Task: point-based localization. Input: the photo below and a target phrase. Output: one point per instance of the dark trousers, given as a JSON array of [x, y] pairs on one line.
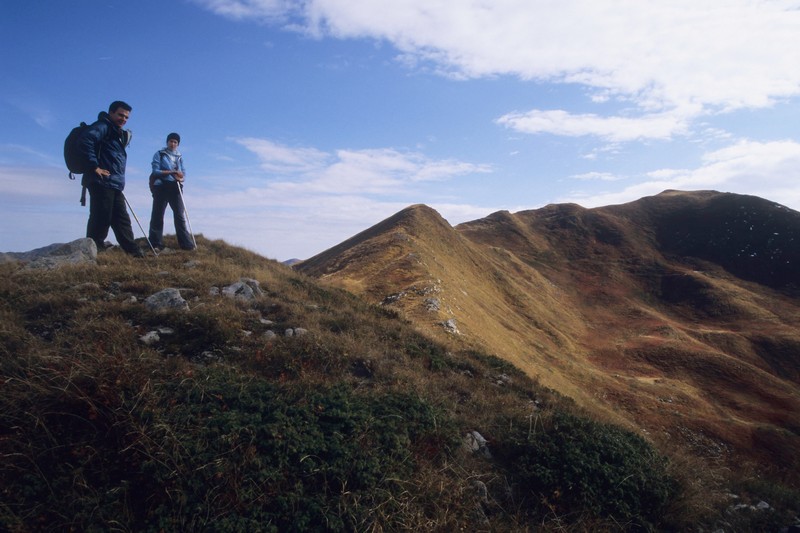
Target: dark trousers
[[107, 210], [163, 195]]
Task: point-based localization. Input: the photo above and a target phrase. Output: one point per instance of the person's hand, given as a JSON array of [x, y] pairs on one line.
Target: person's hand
[[178, 175], [102, 172]]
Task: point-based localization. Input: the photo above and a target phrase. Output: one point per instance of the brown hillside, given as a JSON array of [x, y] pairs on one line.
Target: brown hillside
[[676, 314]]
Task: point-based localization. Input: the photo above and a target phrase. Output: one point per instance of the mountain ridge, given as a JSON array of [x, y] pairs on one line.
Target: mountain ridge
[[652, 312]]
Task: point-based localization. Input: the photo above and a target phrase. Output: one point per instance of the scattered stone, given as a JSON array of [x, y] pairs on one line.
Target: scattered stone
[[245, 289], [269, 334], [299, 332], [502, 380], [450, 326], [166, 299], [432, 304], [475, 443], [392, 298], [213, 291], [479, 495], [150, 338], [289, 332]]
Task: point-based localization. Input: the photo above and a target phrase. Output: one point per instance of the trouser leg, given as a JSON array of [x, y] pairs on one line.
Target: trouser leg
[[157, 216], [121, 224], [101, 205], [179, 218]]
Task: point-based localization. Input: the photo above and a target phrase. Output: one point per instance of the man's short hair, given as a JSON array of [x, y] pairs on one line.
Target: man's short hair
[[116, 104]]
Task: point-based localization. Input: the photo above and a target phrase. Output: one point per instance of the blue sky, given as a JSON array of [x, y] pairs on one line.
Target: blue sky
[[305, 122]]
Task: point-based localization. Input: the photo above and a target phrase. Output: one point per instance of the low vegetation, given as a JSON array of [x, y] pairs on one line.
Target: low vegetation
[[226, 423]]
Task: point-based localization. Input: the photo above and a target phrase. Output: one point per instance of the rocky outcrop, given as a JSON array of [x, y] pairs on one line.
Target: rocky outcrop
[[77, 252]]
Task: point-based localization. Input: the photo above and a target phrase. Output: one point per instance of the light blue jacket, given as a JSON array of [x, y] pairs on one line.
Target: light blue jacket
[[167, 160]]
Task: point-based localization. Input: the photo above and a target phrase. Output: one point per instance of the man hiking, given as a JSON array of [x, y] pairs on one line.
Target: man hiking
[[103, 144]]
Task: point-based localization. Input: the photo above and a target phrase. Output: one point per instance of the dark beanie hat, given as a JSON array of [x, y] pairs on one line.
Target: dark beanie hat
[[174, 136]]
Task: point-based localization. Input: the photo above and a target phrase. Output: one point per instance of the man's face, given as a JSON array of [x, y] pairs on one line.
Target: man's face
[[172, 144], [120, 116]]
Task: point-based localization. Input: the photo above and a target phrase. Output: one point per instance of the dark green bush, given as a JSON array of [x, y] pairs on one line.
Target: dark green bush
[[242, 455], [579, 466]]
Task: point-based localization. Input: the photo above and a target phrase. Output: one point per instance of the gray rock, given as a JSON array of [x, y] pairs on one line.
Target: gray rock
[[432, 304], [77, 252], [150, 338], [166, 299], [245, 289], [450, 326], [475, 443]]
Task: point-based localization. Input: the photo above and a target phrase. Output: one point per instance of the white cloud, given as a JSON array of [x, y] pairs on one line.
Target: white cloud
[[244, 9], [613, 129], [597, 176], [364, 172], [671, 62], [659, 55], [765, 169], [275, 157]]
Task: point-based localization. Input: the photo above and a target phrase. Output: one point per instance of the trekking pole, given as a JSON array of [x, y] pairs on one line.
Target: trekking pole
[[140, 225], [186, 212]]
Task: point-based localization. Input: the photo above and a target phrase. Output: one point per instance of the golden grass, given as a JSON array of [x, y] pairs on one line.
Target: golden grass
[[585, 302]]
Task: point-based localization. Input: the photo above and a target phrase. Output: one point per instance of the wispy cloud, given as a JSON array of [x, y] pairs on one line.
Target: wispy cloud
[[362, 172], [613, 128], [250, 9], [659, 56], [597, 176], [37, 111], [765, 169], [279, 158]]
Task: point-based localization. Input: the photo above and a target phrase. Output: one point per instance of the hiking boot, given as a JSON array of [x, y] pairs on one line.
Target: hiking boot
[[138, 253]]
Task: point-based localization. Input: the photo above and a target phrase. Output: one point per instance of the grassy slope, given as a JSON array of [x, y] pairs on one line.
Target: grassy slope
[[620, 308], [357, 425]]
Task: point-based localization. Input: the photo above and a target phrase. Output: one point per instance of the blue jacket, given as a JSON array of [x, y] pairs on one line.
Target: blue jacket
[[166, 160], [103, 143]]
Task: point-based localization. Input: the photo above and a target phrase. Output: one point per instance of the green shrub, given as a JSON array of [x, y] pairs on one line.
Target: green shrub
[[579, 466], [242, 454]]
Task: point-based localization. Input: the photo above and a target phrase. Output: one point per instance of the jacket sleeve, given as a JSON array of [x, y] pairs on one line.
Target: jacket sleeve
[[89, 142], [156, 164], [181, 167]]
